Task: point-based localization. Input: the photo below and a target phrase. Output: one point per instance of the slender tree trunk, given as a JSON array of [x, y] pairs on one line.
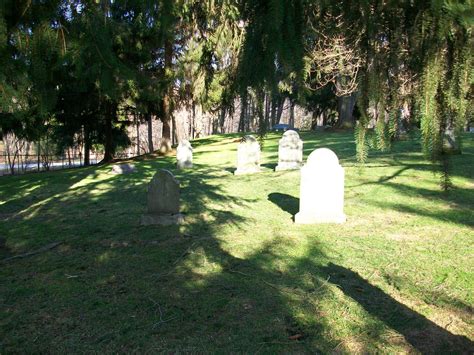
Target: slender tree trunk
[[267, 109], [167, 109], [243, 112], [273, 113], [150, 132], [292, 114], [248, 114], [9, 153], [174, 130], [111, 111], [38, 151], [137, 125], [281, 104], [260, 103], [193, 118], [222, 113], [87, 145]]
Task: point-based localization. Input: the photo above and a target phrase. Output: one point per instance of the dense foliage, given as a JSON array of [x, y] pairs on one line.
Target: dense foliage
[[81, 68]]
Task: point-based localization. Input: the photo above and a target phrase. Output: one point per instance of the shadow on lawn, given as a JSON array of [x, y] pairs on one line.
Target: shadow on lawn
[[424, 335], [286, 202], [459, 201], [283, 310], [178, 288]]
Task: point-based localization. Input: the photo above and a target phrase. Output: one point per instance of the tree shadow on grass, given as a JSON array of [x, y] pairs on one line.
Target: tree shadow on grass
[[286, 202], [424, 335], [439, 296], [459, 200], [129, 288]]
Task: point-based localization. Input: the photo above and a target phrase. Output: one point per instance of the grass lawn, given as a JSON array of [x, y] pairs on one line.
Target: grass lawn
[[239, 275]]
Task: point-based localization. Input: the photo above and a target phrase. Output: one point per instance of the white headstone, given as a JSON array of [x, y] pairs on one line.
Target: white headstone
[[248, 156], [124, 168], [290, 151], [184, 155], [162, 200], [322, 189]]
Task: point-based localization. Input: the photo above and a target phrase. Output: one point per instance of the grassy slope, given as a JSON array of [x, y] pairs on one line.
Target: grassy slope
[[239, 275]]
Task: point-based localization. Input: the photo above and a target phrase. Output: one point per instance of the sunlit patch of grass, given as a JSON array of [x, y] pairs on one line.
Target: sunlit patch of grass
[[239, 275]]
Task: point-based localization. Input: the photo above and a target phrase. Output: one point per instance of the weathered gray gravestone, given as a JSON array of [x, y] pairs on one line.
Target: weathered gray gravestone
[[163, 200], [184, 155], [123, 168], [322, 189], [290, 151], [248, 156]]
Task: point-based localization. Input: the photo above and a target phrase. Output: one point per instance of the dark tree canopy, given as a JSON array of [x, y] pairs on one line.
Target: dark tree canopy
[[83, 66]]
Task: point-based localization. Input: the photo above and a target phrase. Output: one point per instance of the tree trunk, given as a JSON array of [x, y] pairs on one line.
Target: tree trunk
[[110, 113], [280, 105], [150, 132], [273, 113], [87, 146], [345, 108], [292, 114], [137, 124], [267, 109], [260, 103], [166, 108], [174, 136], [193, 118], [38, 151], [243, 112]]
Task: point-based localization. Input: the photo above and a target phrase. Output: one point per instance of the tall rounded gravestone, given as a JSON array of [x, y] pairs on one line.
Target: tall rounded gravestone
[[248, 156], [184, 155], [290, 151], [322, 189]]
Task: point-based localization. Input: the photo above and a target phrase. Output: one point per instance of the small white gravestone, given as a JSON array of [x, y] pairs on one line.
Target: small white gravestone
[[162, 200], [248, 156], [322, 189], [184, 155], [290, 151], [123, 168]]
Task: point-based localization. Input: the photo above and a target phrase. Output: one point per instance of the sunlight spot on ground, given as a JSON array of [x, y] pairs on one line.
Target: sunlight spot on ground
[[105, 257], [90, 179]]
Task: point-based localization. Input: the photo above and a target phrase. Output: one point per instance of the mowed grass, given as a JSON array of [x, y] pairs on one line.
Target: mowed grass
[[239, 275]]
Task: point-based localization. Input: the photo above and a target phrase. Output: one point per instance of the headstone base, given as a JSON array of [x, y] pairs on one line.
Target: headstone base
[[161, 219], [281, 167], [186, 165], [247, 171], [306, 218]]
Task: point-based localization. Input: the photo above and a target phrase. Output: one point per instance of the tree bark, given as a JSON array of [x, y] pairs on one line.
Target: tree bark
[[38, 151], [150, 132], [243, 112], [87, 146], [137, 124], [280, 105], [273, 113], [345, 108], [292, 114], [193, 118], [110, 113], [267, 109], [166, 108]]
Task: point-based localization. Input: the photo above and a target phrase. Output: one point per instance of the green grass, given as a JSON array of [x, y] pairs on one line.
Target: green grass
[[239, 275]]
